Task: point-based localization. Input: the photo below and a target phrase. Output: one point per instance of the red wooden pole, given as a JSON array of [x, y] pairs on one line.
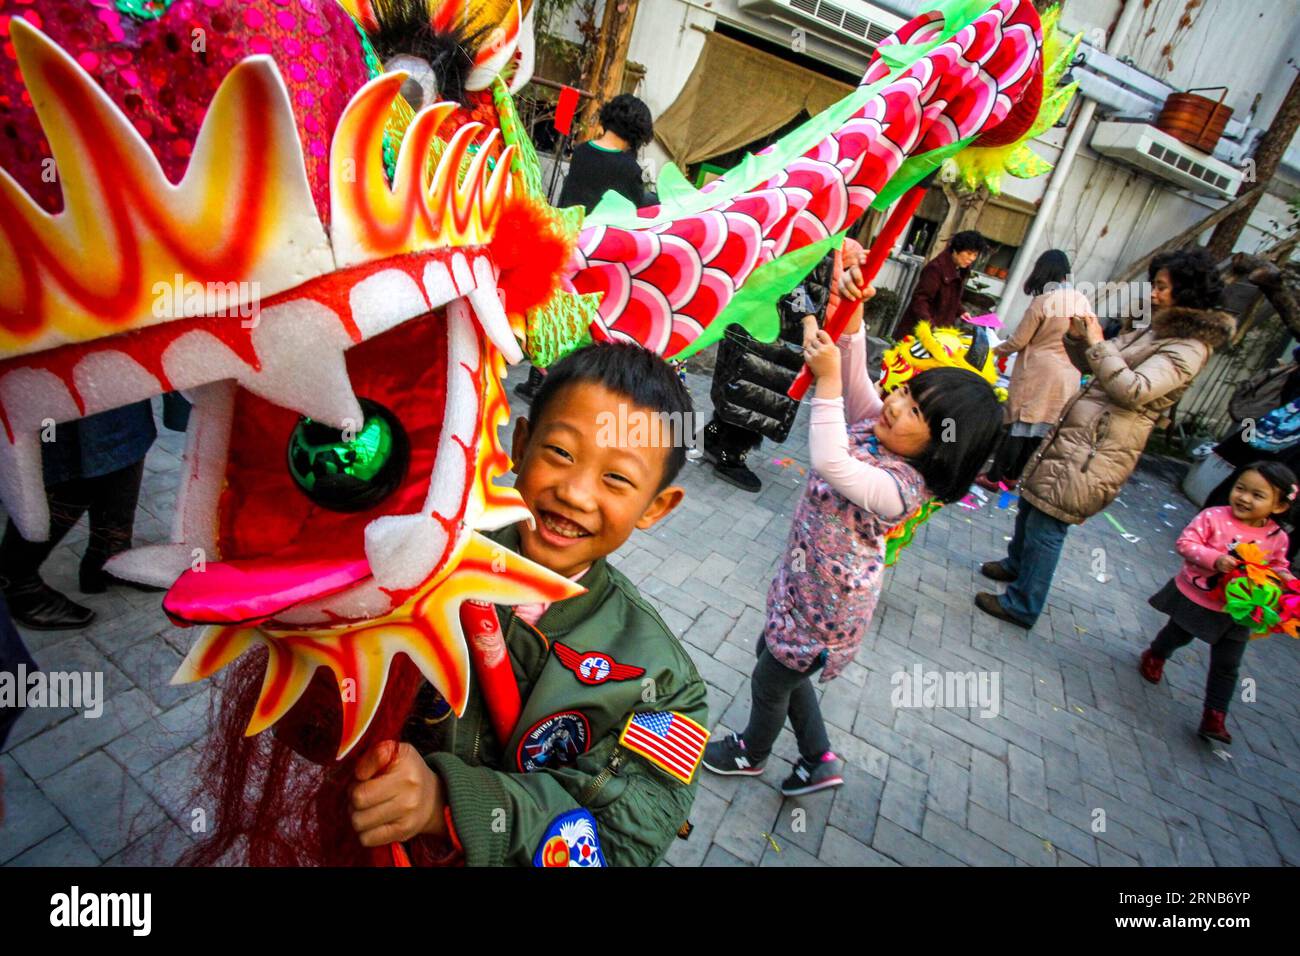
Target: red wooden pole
[[880, 249], [487, 650]]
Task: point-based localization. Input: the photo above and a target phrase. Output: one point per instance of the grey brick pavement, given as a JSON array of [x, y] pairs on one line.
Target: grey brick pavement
[[1085, 763]]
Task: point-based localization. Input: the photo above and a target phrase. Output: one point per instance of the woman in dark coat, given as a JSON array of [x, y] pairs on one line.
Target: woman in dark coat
[[751, 378], [937, 296], [94, 465]]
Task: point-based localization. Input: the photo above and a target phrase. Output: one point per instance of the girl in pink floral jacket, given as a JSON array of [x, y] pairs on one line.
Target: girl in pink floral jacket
[[873, 463]]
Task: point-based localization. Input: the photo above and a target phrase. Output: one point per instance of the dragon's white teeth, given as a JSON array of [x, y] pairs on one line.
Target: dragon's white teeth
[[464, 360], [22, 485], [125, 374], [156, 564], [32, 400], [439, 286], [491, 314], [203, 477], [404, 549], [385, 300], [34, 397], [462, 273], [492, 318], [302, 349]]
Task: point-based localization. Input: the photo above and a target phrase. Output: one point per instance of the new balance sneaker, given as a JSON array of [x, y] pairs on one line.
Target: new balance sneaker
[[811, 777], [728, 756]]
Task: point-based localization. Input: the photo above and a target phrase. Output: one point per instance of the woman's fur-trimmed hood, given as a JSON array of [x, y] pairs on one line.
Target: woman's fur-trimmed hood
[[1210, 326]]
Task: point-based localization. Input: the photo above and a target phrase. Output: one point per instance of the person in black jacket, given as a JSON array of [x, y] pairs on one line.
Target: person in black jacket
[[609, 161], [599, 165], [750, 380]]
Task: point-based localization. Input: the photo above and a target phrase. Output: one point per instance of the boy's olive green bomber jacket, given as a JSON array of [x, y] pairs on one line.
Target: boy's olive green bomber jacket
[[500, 813]]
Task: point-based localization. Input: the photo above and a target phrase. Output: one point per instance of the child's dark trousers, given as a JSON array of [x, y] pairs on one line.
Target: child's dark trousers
[[1225, 662], [775, 692]]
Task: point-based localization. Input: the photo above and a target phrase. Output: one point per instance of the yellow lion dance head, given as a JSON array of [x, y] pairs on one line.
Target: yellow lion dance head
[[939, 348]]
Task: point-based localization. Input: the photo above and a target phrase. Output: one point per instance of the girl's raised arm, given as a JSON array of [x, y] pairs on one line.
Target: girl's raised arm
[[861, 400], [867, 486]]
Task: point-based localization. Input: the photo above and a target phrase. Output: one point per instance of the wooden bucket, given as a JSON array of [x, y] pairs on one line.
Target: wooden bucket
[[1196, 120]]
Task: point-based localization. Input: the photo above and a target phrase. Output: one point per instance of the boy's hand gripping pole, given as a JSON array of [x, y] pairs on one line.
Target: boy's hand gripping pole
[[487, 651]]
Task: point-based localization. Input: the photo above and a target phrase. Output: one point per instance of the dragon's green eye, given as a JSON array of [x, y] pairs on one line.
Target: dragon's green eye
[[354, 469]]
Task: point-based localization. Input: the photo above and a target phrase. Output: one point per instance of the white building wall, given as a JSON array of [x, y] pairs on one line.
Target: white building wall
[[1239, 43], [667, 43], [1107, 214]]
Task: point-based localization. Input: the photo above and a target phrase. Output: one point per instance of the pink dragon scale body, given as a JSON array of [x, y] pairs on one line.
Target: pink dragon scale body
[[663, 283]]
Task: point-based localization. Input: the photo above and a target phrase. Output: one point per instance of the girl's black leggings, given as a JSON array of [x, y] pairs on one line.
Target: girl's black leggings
[[777, 692], [1225, 662]]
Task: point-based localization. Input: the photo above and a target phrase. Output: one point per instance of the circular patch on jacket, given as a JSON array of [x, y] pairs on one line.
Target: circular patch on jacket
[[570, 840], [594, 668], [554, 741]]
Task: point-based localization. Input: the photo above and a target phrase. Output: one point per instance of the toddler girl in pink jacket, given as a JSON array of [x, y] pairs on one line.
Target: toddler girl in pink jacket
[[1261, 492]]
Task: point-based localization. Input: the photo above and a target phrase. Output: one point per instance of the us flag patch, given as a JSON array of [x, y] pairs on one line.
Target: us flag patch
[[670, 741]]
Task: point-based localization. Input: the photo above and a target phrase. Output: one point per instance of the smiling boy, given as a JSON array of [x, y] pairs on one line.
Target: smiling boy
[[600, 768]]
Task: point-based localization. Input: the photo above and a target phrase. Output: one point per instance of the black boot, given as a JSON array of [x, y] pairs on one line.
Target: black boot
[[528, 390], [732, 469], [36, 605], [710, 447]]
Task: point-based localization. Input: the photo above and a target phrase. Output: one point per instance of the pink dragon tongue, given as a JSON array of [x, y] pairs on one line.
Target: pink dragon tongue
[[251, 590]]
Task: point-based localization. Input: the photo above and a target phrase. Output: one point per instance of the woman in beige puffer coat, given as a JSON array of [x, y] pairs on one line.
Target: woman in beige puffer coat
[[1086, 459]]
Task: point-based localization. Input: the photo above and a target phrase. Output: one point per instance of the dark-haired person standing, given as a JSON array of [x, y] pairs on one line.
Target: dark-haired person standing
[[1044, 378], [599, 165], [751, 378], [93, 466], [937, 296], [609, 161], [1086, 459]]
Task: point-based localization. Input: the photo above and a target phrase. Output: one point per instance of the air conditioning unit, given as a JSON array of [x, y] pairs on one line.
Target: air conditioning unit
[[854, 24], [1161, 155]]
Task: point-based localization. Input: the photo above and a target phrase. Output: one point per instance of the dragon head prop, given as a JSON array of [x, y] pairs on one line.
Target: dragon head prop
[[254, 232], [335, 263], [939, 348]]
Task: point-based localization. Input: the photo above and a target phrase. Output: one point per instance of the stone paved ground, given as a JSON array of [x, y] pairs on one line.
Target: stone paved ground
[[1085, 763]]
